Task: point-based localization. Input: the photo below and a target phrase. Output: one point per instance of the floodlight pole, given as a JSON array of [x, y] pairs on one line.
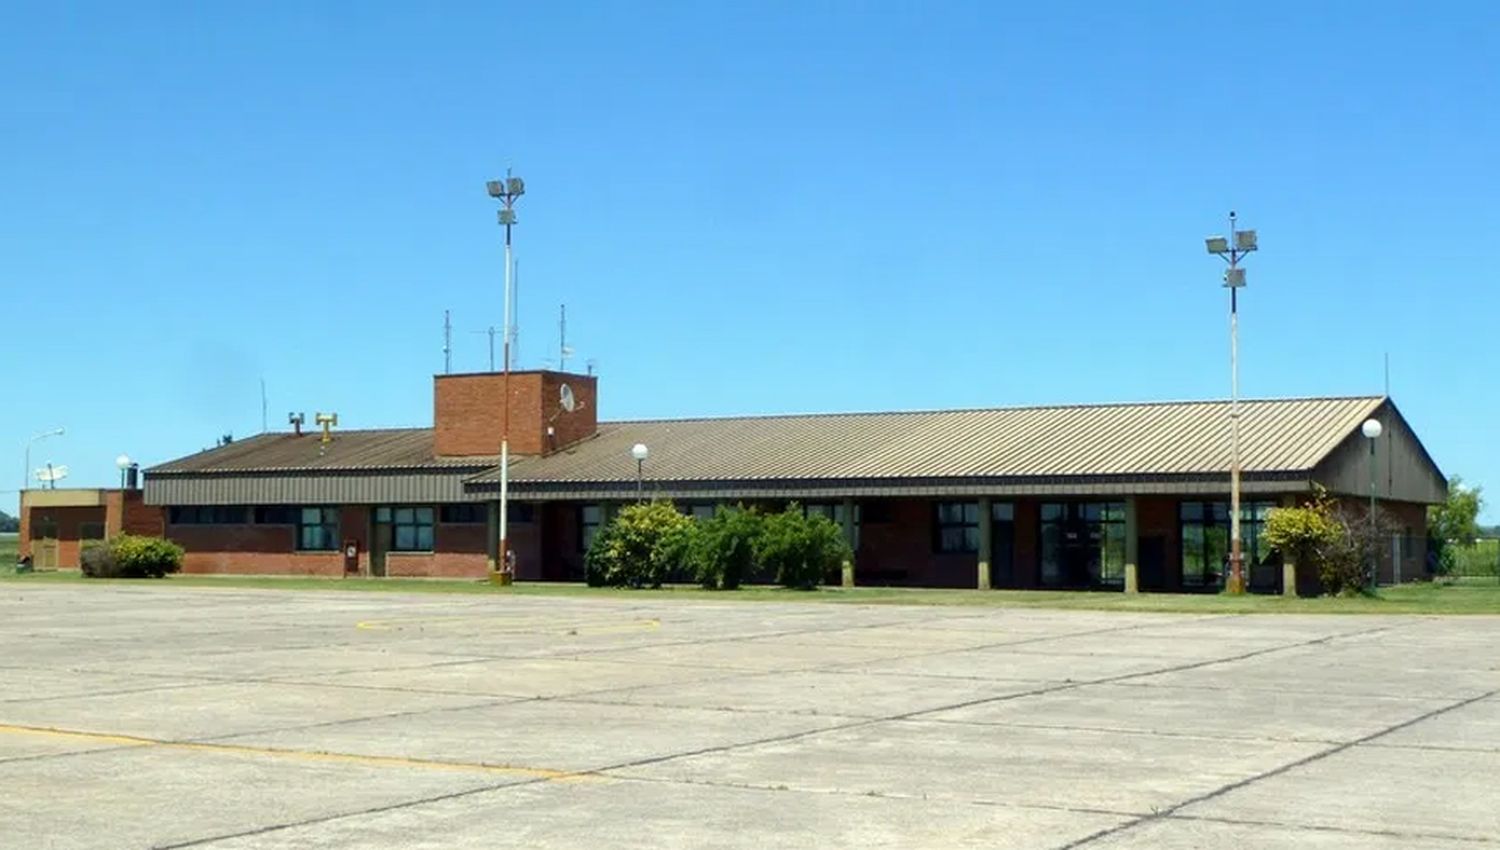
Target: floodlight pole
[[506, 191], [1232, 250], [26, 473]]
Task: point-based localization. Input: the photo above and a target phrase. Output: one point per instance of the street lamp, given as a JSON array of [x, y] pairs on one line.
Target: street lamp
[[506, 192], [1372, 430], [122, 463], [26, 473], [1231, 249], [639, 452]]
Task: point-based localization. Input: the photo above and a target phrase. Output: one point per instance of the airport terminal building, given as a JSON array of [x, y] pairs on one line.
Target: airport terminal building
[[1032, 497]]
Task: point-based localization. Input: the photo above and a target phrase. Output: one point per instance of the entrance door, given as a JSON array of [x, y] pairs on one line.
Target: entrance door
[[1152, 552], [380, 540], [1002, 544]]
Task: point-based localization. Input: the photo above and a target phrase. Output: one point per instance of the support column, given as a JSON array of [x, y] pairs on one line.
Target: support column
[[1288, 565], [492, 538], [849, 536], [986, 533], [1132, 546]]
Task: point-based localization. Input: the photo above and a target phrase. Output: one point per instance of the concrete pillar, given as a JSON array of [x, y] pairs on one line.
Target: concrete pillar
[[986, 529], [492, 538], [849, 536], [1132, 546], [1288, 566]]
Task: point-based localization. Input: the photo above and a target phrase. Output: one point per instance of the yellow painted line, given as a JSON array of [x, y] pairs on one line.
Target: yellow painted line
[[297, 755], [511, 627]]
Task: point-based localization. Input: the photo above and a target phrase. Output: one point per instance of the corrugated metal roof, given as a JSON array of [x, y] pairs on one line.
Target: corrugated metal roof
[[1171, 438], [385, 448]]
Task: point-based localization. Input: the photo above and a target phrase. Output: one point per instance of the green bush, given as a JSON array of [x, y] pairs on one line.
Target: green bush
[[723, 551], [131, 556], [640, 547], [1320, 536], [800, 549]]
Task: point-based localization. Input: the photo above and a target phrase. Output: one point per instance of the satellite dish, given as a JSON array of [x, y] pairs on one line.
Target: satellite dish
[[51, 474], [566, 398]]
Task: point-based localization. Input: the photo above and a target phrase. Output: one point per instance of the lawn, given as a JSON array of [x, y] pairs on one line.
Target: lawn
[[10, 544], [1415, 598], [1480, 560]]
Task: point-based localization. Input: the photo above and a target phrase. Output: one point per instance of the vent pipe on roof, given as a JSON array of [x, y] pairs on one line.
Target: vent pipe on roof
[[296, 420]]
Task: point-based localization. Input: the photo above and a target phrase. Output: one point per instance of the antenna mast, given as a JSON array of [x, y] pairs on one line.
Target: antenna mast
[[447, 344], [562, 340], [263, 425]]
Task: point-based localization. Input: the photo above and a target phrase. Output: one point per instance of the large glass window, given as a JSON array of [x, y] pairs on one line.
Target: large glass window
[[411, 529], [1205, 539], [466, 513], [590, 518], [318, 529], [835, 512], [1083, 544], [208, 515], [956, 527]]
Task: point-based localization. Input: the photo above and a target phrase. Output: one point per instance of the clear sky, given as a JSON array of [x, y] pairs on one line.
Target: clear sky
[[748, 208]]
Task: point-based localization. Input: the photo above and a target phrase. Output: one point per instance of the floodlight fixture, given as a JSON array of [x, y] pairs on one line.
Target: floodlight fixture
[[1217, 245], [515, 186], [1244, 240], [1234, 278], [507, 216], [496, 188]]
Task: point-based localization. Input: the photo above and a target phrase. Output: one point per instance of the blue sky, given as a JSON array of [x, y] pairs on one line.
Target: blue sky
[[746, 207]]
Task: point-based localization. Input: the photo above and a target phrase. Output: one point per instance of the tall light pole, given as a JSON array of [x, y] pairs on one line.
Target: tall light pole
[[506, 192], [1371, 429], [26, 473], [1232, 248], [640, 452]]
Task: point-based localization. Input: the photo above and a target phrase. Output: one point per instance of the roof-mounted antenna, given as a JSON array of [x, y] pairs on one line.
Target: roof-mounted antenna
[[563, 351], [447, 344], [326, 421], [295, 420]]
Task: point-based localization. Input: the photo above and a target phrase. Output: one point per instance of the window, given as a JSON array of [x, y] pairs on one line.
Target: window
[[208, 515], [590, 517], [957, 527], [1205, 530], [702, 511], [472, 513], [1083, 544], [318, 529], [835, 512], [276, 515], [521, 512], [91, 531], [411, 529]]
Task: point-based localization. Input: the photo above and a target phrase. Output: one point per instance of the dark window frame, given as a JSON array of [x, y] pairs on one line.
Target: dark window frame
[[589, 529], [943, 528], [208, 515], [275, 514], [416, 522], [1209, 514], [327, 529], [464, 513]]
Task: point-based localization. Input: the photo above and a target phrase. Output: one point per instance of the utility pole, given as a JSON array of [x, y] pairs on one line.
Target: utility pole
[[1231, 249], [562, 340], [447, 344]]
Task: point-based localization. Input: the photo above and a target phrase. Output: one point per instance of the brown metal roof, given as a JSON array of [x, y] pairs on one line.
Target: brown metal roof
[[1160, 439], [387, 448]]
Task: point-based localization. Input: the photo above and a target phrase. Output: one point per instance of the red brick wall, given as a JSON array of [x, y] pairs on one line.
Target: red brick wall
[[900, 552], [468, 412], [137, 517], [69, 522], [250, 550]]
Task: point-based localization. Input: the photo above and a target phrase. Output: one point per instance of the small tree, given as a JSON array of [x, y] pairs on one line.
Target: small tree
[[724, 547], [640, 547], [800, 549], [1455, 522]]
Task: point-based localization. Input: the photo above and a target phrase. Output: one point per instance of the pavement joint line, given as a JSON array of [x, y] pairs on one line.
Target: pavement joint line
[[128, 742], [875, 794], [92, 694], [1172, 810], [1341, 830], [484, 702], [1123, 730]]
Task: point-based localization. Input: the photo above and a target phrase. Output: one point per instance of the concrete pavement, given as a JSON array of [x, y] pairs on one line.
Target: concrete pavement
[[148, 716]]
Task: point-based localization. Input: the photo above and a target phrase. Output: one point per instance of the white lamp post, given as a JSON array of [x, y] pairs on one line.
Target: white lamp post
[[1231, 249], [26, 473], [1372, 430], [639, 452], [122, 463]]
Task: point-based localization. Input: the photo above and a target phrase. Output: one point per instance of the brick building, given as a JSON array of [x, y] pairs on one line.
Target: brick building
[[1091, 496], [55, 524]]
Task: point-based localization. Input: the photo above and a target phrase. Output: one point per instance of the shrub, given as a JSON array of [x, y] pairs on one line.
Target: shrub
[[800, 549], [1325, 537], [723, 552], [639, 547], [131, 556], [97, 560]]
